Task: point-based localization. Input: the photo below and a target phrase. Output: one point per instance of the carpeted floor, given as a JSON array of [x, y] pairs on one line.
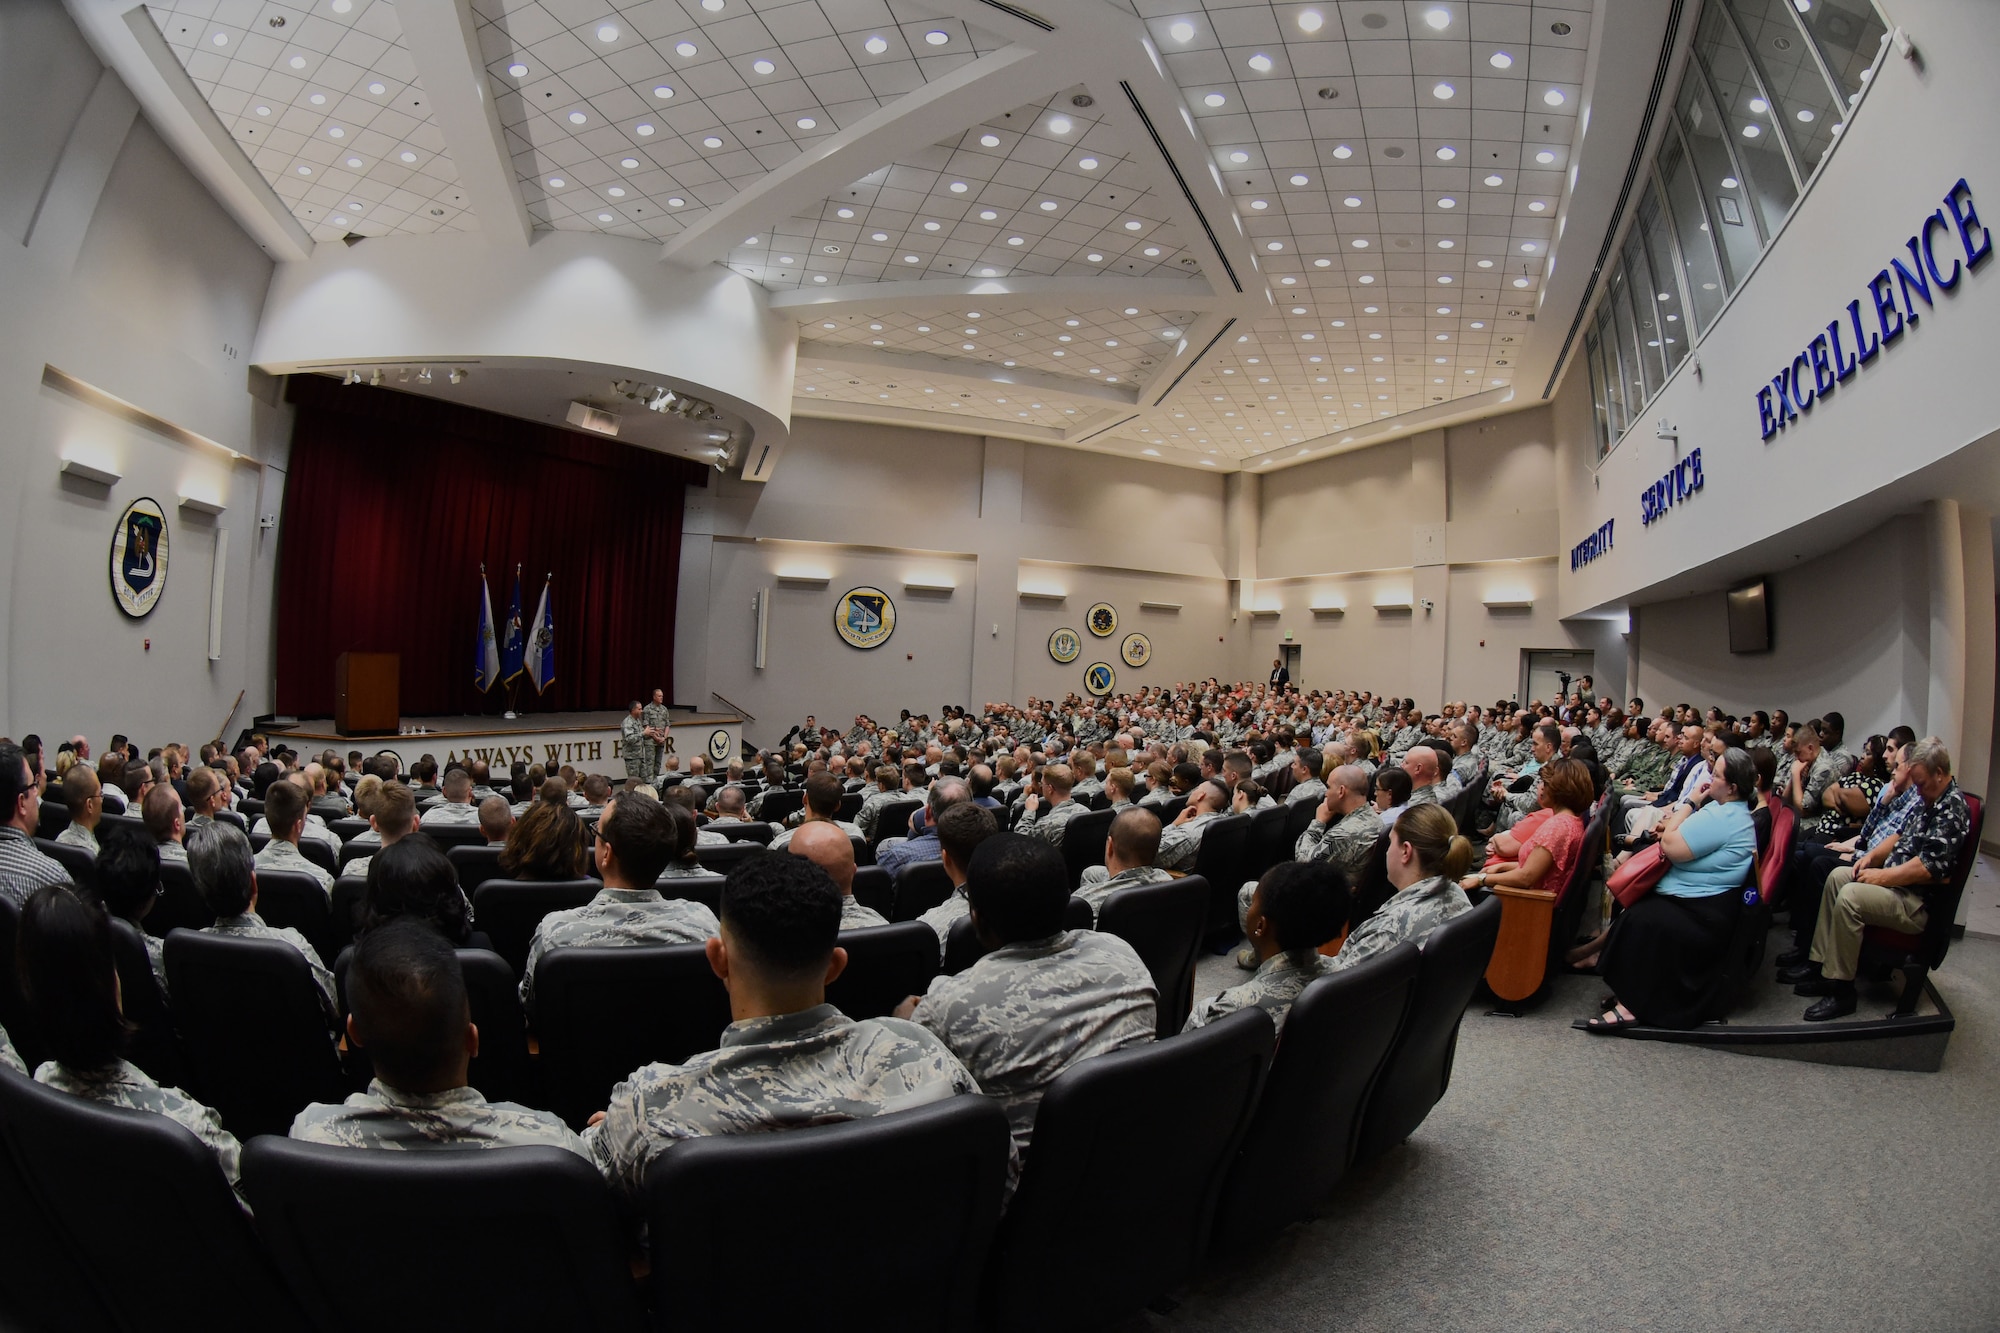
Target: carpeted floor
[[1577, 1182]]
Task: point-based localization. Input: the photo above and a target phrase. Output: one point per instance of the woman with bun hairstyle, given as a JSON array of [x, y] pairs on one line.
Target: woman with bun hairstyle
[[1427, 858]]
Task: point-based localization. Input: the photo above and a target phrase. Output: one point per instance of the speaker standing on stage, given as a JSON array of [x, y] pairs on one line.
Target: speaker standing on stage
[[634, 744], [659, 730]]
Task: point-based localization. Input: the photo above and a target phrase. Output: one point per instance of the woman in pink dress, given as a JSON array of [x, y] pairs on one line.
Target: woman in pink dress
[[1547, 853]]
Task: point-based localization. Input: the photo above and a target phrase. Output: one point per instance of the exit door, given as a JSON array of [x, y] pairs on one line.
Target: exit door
[[1289, 654], [1542, 673]]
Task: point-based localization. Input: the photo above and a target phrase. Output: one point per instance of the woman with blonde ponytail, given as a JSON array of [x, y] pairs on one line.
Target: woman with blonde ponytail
[[1427, 858]]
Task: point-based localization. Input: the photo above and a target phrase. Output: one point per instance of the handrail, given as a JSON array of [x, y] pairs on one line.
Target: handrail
[[748, 716]]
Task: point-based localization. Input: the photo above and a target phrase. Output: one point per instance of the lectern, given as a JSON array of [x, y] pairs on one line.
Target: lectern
[[365, 701]]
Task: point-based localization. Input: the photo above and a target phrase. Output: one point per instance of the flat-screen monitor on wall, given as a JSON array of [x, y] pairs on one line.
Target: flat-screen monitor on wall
[[1749, 619]]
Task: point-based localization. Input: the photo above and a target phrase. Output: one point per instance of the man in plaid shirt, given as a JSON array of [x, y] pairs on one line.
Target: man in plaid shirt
[[1889, 886]]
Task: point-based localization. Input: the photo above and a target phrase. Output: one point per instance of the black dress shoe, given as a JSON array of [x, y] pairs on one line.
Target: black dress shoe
[[1793, 957], [1792, 976], [1838, 1004]]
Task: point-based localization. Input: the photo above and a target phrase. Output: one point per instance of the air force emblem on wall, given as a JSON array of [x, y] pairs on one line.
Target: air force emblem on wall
[[1100, 679], [139, 558], [718, 746], [865, 617]]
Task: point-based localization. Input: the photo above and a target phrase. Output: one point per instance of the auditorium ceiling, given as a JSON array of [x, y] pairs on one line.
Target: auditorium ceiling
[[1223, 234]]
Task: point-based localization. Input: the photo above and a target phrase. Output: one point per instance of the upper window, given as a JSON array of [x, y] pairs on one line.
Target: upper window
[[1766, 92]]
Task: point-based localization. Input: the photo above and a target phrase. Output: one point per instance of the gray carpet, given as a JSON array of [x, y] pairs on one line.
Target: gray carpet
[[1576, 1182]]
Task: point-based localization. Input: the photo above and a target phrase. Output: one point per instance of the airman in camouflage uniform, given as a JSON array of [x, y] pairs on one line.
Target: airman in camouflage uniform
[[123, 1083], [386, 1117], [777, 1071], [634, 746], [1180, 843], [1046, 821], [656, 718], [856, 916], [1273, 987], [616, 917], [1099, 883], [10, 1057], [1027, 1011], [1345, 842], [1410, 914]]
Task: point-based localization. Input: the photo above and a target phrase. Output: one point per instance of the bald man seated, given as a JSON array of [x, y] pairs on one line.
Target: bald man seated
[[823, 844], [1421, 763]]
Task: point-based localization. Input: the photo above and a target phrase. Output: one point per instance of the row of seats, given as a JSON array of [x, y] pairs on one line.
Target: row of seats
[[1224, 1136]]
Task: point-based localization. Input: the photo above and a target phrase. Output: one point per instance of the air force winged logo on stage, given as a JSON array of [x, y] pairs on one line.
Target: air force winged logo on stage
[[718, 746], [139, 558], [865, 617]]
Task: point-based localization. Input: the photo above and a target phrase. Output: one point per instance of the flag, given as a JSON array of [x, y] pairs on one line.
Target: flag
[[513, 640], [486, 660], [542, 643]]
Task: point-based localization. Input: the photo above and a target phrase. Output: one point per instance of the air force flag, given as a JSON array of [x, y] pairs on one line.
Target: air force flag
[[486, 660], [542, 642], [513, 638]]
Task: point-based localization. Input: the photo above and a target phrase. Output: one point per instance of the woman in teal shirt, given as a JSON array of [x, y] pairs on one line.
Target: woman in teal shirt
[[1663, 955]]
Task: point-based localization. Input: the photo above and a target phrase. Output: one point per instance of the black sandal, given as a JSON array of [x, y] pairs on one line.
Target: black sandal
[[1612, 1024]]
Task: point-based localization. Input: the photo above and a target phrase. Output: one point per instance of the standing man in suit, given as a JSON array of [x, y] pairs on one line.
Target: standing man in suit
[[1279, 676]]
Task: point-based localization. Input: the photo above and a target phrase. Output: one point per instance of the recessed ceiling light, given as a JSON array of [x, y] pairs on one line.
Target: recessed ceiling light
[[297, 62], [989, 141], [1017, 240], [1300, 178], [1322, 263], [1447, 202], [911, 259], [1446, 243], [1153, 252], [604, 217], [987, 215], [354, 162], [1444, 278], [1048, 205], [675, 201], [1352, 201], [1486, 263], [1094, 258], [1259, 204], [1365, 279], [711, 142], [1214, 99], [1446, 153], [662, 92], [1310, 21], [577, 117], [763, 67], [1239, 157], [1133, 224], [1545, 157], [1500, 60], [407, 156], [931, 226], [607, 32], [616, 192], [937, 36], [1751, 131], [1259, 62], [1059, 125], [1443, 91], [808, 123], [878, 236], [317, 99], [378, 88], [1493, 180], [263, 111], [342, 6], [876, 45], [1440, 19], [1182, 31], [1554, 97], [1478, 323], [685, 50], [629, 163], [712, 6], [305, 171], [1536, 206], [1359, 243], [518, 70], [1342, 151]]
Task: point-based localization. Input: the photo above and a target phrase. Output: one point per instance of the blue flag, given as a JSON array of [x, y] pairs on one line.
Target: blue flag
[[514, 637], [542, 641], [486, 658]]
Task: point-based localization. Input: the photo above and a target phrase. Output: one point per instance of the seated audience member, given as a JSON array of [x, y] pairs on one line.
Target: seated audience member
[[823, 797], [456, 810], [311, 826], [895, 853], [1307, 786], [207, 794], [1889, 887], [548, 842], [409, 1014], [285, 815], [728, 807], [1180, 841], [127, 881], [328, 802], [1848, 801], [888, 788], [788, 1059], [1119, 786], [686, 839], [1131, 845], [1812, 860], [1812, 776], [960, 829], [1662, 954], [636, 839], [392, 817], [1249, 796], [1043, 998], [821, 842], [596, 791], [1392, 793], [1159, 783], [1427, 857], [85, 798], [1346, 827], [225, 875], [1048, 808], [496, 820], [110, 775], [1421, 763], [70, 984], [1690, 775], [161, 812], [1544, 856], [1294, 909], [413, 879]]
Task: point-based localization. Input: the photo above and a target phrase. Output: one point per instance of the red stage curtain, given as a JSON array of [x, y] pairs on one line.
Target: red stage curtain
[[392, 503]]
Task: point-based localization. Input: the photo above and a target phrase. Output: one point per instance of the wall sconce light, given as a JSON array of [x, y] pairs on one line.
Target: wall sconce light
[[805, 578], [1041, 595], [945, 588], [1160, 606], [201, 506], [101, 476]]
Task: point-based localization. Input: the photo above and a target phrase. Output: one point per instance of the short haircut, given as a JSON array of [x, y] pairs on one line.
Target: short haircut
[[406, 993], [963, 827], [495, 817], [642, 836], [202, 784], [223, 867], [414, 878], [1930, 752], [1120, 780], [1396, 782], [395, 809], [1311, 758], [596, 788], [1018, 887], [159, 810], [69, 979], [944, 794], [457, 784], [1551, 733], [284, 807], [79, 787], [1135, 836], [783, 912], [127, 876], [1185, 776], [1306, 902], [823, 795], [1238, 763], [729, 801], [914, 773], [1740, 772]]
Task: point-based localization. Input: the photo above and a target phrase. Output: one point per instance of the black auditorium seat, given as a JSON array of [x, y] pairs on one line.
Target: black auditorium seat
[[200, 1265], [601, 1013], [703, 889], [721, 860], [516, 1238], [893, 820], [347, 829], [920, 886], [77, 861], [759, 833], [873, 888], [292, 898], [502, 1071], [1222, 861], [1267, 845], [476, 864], [508, 910], [1417, 1070], [1083, 842], [885, 964], [252, 1030], [1130, 1153], [153, 1044], [53, 819], [1301, 1140], [930, 1177], [1163, 922], [179, 903]]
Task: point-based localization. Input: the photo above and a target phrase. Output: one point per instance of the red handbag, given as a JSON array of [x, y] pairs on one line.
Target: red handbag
[[1638, 876]]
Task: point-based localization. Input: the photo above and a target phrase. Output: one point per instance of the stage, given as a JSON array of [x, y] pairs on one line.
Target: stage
[[588, 742]]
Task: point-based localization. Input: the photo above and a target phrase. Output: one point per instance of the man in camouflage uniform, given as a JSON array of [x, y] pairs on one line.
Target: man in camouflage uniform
[[10, 1057], [122, 1083], [1129, 849], [1044, 998], [635, 841], [1180, 841], [790, 1059], [822, 842], [409, 1012], [960, 830], [1048, 810], [634, 746], [1346, 828], [224, 875], [659, 730]]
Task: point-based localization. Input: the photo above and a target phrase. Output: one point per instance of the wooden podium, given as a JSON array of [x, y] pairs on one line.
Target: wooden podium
[[365, 701]]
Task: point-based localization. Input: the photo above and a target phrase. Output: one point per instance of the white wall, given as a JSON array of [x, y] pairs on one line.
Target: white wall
[[119, 269]]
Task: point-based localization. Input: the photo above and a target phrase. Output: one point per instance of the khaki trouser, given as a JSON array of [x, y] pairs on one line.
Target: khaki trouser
[[1846, 907]]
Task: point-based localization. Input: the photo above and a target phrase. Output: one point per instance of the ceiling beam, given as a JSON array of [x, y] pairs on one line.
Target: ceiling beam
[[1004, 295], [445, 49], [930, 367], [973, 92]]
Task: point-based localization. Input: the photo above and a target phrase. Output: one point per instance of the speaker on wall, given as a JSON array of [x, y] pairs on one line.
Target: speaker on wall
[[763, 606], [215, 594]]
